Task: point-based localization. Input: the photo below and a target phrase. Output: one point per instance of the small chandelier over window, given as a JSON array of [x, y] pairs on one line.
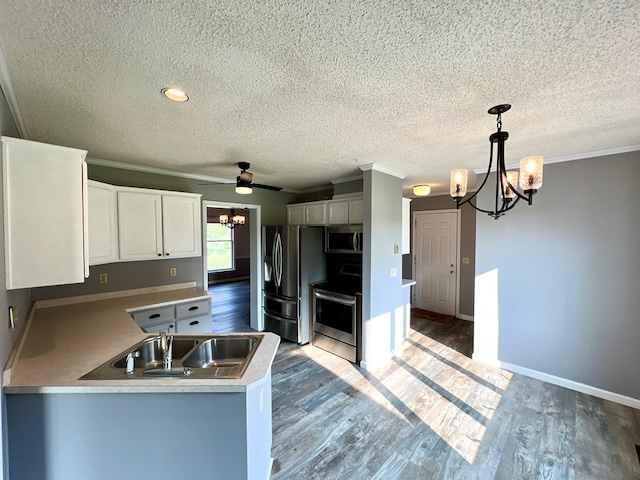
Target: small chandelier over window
[[529, 177], [235, 220]]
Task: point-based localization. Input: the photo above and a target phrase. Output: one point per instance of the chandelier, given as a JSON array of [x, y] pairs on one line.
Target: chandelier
[[235, 220], [507, 195]]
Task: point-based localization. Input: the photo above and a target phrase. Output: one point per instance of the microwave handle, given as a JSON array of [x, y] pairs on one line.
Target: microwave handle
[[355, 241]]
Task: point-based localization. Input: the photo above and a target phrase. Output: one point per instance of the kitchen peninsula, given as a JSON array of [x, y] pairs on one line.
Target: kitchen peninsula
[[61, 427]]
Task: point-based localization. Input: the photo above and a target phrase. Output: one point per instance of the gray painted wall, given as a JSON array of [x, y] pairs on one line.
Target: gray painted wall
[[467, 246], [19, 299], [557, 282], [382, 294], [141, 436]]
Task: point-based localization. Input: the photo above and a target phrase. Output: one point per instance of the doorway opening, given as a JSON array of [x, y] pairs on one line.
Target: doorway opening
[[233, 257]]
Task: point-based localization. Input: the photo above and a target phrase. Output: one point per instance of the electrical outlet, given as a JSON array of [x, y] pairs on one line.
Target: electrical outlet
[[104, 278], [173, 272], [465, 260], [396, 249]]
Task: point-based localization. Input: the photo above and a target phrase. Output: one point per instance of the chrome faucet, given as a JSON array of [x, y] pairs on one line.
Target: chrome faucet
[[167, 350]]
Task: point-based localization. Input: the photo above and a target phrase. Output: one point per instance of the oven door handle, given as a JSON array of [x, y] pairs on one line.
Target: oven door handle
[[330, 298]]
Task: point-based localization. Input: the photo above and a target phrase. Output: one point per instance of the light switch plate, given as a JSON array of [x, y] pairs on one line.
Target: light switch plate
[[394, 272]]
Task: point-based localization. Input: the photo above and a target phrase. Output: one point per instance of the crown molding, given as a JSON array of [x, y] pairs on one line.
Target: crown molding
[[157, 171], [346, 179], [382, 169], [10, 96], [576, 156]]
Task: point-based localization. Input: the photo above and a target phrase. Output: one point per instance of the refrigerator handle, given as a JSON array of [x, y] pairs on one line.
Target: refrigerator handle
[[277, 246]]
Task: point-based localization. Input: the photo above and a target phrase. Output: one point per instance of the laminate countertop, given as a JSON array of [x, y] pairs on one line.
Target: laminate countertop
[[65, 339]]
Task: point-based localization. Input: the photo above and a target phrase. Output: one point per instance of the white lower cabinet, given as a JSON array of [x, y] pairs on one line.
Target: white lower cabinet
[[163, 327], [192, 316], [200, 324]]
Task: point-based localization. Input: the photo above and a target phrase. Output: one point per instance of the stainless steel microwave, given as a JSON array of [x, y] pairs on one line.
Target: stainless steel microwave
[[344, 239]]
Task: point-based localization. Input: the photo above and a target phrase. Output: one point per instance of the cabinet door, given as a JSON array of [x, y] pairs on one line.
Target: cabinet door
[[181, 226], [103, 223], [355, 212], [338, 213], [139, 225], [295, 214], [316, 213], [45, 231]]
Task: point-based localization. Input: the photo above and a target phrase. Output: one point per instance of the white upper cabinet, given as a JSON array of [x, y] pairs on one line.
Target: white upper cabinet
[[155, 224], [103, 223], [329, 212], [338, 212], [181, 225], [356, 214], [139, 224], [295, 214], [315, 213], [45, 208]]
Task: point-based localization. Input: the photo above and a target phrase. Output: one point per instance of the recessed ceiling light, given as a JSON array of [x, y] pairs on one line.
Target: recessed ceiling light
[[175, 94]]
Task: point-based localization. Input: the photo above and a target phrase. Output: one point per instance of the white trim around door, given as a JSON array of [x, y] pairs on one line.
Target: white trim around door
[[255, 242]]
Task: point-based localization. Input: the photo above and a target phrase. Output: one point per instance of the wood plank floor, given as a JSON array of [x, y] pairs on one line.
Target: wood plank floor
[[431, 413], [230, 307]]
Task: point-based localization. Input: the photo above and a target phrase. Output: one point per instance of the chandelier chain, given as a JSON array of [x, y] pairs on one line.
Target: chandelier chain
[[499, 122]]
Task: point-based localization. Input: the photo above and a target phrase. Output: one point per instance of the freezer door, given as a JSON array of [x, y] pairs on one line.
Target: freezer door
[[281, 306], [287, 328]]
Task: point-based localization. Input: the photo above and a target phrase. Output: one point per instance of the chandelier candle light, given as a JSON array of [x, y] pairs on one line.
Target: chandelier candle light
[[529, 178], [235, 220]]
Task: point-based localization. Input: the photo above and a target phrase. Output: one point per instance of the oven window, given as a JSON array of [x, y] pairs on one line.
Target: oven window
[[335, 315]]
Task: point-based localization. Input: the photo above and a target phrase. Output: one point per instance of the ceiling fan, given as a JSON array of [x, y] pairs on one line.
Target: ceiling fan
[[244, 181]]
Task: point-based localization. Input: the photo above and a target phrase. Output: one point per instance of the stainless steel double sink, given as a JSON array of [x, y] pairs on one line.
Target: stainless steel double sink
[[193, 356]]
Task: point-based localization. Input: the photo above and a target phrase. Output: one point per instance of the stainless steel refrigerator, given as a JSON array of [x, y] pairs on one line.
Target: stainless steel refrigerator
[[293, 257]]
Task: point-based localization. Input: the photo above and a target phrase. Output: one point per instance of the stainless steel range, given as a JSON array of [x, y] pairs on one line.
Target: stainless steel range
[[336, 309]]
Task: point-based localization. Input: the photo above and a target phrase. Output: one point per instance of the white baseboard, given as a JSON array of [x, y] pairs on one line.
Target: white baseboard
[[462, 316], [562, 382]]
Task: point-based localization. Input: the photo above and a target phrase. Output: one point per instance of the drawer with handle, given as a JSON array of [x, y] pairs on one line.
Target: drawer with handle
[[154, 316], [193, 309], [201, 324]]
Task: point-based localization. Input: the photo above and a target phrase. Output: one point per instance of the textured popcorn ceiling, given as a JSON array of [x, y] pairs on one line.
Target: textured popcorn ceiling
[[308, 90]]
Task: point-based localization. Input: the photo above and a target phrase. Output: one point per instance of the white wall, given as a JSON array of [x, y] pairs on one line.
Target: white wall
[[558, 282]]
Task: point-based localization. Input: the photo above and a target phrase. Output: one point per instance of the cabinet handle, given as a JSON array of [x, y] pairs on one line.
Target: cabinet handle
[[195, 322], [167, 254], [159, 254], [155, 315], [191, 309]]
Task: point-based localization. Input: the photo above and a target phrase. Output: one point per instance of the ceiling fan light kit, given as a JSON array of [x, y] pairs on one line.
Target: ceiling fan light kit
[[529, 178], [244, 181]]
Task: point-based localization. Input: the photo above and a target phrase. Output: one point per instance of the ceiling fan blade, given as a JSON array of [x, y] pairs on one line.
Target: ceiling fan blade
[[266, 187]]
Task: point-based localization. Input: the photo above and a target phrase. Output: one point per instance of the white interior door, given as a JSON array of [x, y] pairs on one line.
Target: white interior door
[[436, 268]]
